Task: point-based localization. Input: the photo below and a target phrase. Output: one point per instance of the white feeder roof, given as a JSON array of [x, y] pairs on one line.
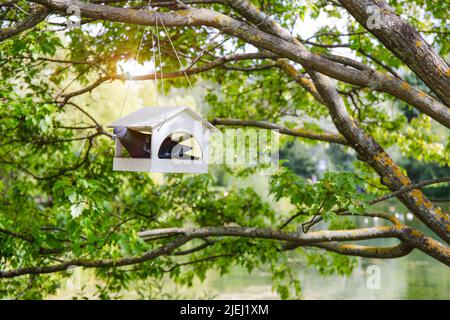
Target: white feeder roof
[[150, 117]]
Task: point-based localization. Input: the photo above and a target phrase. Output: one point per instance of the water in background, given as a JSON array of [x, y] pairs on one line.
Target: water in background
[[415, 276]]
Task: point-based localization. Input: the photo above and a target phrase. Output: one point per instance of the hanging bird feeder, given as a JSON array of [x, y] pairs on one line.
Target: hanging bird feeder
[[162, 139]]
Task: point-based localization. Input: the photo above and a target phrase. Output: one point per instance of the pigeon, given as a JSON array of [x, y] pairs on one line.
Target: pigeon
[[171, 149], [137, 144]]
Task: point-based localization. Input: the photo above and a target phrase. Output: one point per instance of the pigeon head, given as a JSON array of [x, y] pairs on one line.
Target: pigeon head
[[120, 132]]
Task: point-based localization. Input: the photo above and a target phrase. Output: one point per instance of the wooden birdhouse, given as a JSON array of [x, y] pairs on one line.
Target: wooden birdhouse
[[162, 139]]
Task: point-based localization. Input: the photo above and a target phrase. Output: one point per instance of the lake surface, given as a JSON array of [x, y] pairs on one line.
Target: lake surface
[[415, 276], [412, 277]]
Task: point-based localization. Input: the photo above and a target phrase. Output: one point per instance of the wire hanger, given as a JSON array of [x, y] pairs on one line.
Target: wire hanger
[[156, 50]]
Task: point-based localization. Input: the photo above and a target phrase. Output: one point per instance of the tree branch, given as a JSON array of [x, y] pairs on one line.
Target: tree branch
[[293, 239], [163, 250], [302, 133], [411, 187], [218, 63], [400, 250], [298, 237], [37, 15]]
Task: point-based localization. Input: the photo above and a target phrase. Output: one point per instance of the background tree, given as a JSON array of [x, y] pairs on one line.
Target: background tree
[[62, 206]]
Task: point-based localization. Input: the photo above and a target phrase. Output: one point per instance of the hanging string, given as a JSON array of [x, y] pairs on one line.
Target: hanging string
[[161, 73], [136, 59], [175, 51], [160, 60], [127, 90], [158, 43], [155, 73], [177, 56], [202, 53]]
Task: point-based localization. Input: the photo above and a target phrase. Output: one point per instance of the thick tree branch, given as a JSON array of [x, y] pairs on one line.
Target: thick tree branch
[[163, 250], [400, 250], [412, 237], [306, 83], [426, 244], [298, 237]]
